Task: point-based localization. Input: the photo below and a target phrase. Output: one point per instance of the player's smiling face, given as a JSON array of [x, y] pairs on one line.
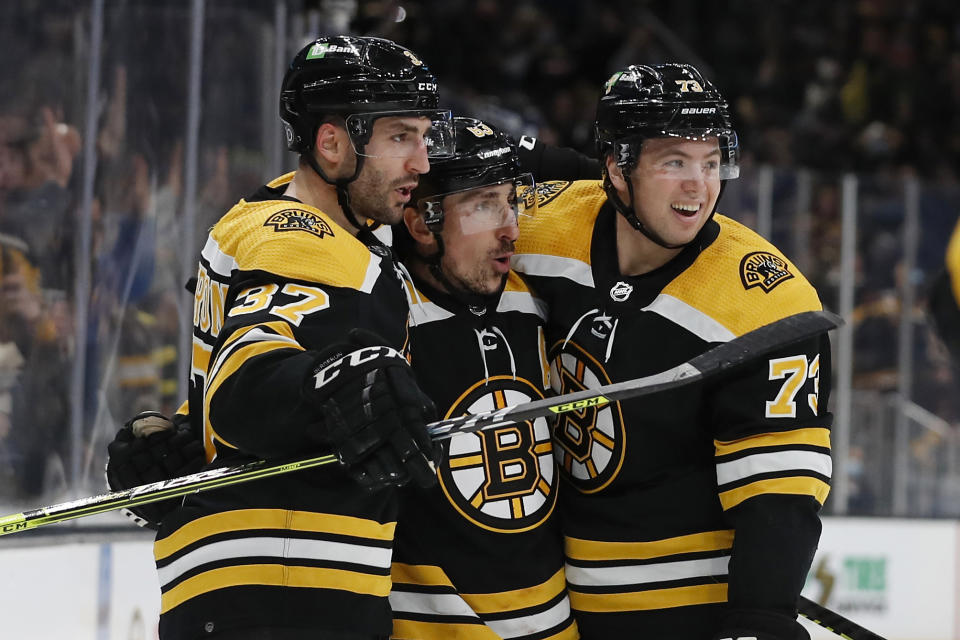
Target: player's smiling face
[[676, 184]]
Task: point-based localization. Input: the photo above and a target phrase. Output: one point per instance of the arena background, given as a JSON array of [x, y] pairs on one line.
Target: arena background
[[127, 127]]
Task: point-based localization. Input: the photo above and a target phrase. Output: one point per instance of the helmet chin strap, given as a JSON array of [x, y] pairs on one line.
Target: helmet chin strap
[[340, 184], [628, 212]]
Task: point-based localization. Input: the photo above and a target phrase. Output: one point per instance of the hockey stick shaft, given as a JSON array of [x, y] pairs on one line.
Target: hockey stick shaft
[[843, 627], [721, 358]]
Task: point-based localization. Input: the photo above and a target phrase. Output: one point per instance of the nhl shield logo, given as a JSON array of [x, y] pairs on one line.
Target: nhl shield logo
[[299, 220], [763, 269], [621, 291]]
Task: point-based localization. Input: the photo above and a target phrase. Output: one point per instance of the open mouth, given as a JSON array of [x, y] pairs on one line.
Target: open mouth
[[686, 209]]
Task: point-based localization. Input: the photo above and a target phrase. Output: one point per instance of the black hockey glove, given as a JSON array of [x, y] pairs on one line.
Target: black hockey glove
[[150, 448], [374, 415], [760, 625]]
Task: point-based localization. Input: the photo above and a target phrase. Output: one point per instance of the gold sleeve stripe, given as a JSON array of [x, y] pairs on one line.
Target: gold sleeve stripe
[[647, 600], [805, 486], [422, 574], [250, 519], [419, 630], [815, 436], [184, 409], [713, 283], [953, 262], [517, 599], [282, 180], [277, 576], [579, 549], [236, 360], [201, 357]]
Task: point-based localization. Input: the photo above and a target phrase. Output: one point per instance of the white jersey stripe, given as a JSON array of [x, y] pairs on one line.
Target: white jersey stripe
[[641, 574], [440, 604], [373, 273], [690, 318], [522, 301], [282, 548], [424, 311], [774, 462], [554, 266], [220, 263], [534, 623]]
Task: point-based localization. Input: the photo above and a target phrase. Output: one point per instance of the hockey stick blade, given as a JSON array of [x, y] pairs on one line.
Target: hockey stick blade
[[730, 354], [721, 358], [843, 627]]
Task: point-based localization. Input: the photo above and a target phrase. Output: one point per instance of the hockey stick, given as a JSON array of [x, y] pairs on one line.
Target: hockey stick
[[721, 358], [843, 627], [716, 360]]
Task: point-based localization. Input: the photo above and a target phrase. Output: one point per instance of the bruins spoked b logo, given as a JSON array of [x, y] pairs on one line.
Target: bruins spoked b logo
[[589, 442], [763, 269], [501, 479]]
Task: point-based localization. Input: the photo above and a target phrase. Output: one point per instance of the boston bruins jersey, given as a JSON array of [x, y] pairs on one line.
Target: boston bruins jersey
[[692, 511], [480, 556], [278, 281]]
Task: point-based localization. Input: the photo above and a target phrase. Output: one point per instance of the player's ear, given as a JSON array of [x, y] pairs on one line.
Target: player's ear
[[616, 174], [417, 227], [332, 143]]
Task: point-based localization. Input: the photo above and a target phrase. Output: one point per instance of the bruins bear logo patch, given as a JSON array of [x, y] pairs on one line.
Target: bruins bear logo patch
[[299, 220], [543, 192], [763, 269]]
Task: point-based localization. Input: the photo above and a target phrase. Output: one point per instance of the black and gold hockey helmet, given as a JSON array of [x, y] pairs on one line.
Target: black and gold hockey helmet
[[485, 156], [361, 79], [658, 101]]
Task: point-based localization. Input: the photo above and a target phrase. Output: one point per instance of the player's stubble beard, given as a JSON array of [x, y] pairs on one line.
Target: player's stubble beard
[[371, 195], [475, 280]]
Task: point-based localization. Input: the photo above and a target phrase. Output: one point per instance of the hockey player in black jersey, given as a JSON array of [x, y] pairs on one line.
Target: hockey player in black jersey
[[298, 346], [690, 515], [480, 555]]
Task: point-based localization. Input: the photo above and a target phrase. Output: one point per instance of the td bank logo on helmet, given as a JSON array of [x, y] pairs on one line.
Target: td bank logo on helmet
[[321, 49]]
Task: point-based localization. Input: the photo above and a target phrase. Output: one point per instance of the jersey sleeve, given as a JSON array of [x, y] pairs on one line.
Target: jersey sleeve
[[299, 285], [772, 453], [547, 162]]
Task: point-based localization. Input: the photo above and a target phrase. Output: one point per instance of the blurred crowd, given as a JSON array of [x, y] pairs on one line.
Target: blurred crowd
[[868, 86]]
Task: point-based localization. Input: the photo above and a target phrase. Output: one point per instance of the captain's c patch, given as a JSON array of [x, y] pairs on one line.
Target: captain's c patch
[[299, 220], [763, 269]]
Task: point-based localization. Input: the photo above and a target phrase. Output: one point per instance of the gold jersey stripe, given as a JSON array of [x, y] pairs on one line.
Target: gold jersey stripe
[[229, 367], [423, 574], [805, 486], [647, 600], [330, 255], [580, 549], [274, 575], [247, 519], [518, 598], [953, 262], [282, 180], [466, 461], [418, 630], [555, 230], [201, 357], [815, 436], [724, 299]]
